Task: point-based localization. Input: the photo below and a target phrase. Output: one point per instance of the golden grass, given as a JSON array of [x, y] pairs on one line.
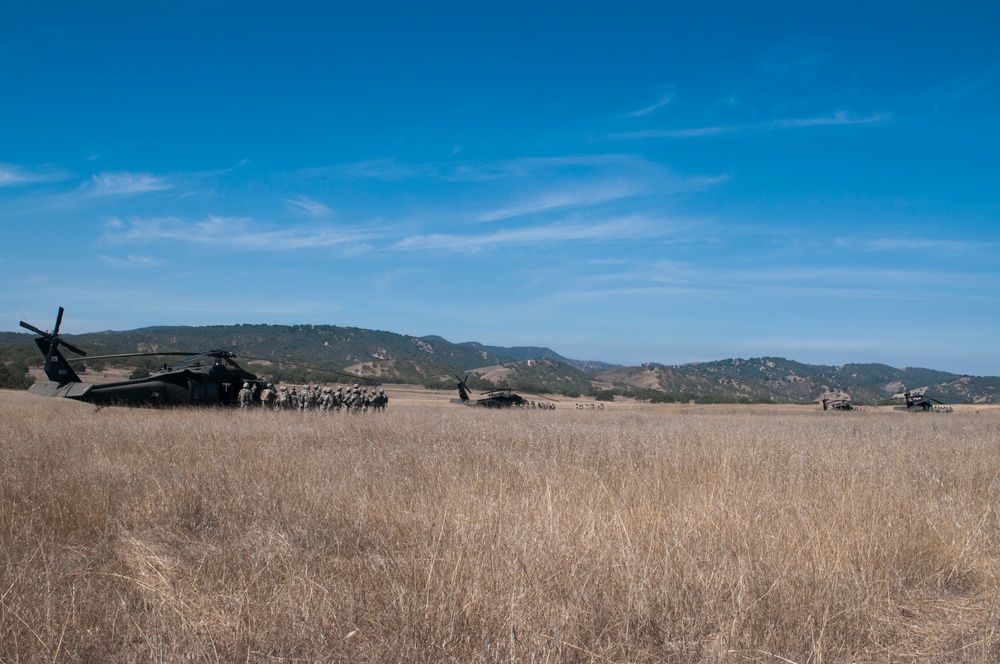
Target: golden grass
[[442, 533]]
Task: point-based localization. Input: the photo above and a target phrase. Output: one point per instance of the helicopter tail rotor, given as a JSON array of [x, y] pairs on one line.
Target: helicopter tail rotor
[[463, 387], [57, 369]]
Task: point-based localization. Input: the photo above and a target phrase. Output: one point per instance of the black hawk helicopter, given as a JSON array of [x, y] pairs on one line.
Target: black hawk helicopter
[[919, 402], [211, 383], [497, 397], [837, 403]]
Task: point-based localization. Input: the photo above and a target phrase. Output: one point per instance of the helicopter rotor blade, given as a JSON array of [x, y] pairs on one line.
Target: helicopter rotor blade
[[59, 317], [192, 357], [108, 357], [542, 396], [29, 326], [69, 346]]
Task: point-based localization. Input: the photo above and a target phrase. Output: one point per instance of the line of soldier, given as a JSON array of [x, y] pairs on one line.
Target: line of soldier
[[354, 399]]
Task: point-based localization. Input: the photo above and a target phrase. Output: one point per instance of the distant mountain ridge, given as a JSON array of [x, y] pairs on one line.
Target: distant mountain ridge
[[433, 361], [780, 380]]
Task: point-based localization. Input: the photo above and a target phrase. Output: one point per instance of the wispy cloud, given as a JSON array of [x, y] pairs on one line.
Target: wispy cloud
[[666, 96], [309, 206], [392, 169], [835, 281], [562, 199], [389, 169], [909, 244], [839, 118], [239, 234], [615, 230], [12, 175], [588, 180], [125, 184], [132, 261], [969, 85]]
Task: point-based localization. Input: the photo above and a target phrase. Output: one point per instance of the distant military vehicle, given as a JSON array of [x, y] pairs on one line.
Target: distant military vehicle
[[499, 397], [919, 402], [837, 403]]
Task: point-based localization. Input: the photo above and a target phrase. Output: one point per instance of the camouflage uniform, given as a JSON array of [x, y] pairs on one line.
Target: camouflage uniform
[[353, 399], [381, 400], [245, 396], [312, 397], [326, 400], [267, 397], [284, 401]]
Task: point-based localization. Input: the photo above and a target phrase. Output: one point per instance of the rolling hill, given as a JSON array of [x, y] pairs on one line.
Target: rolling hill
[[305, 352]]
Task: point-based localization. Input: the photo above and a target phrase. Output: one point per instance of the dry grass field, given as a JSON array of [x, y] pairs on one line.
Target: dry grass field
[[434, 532]]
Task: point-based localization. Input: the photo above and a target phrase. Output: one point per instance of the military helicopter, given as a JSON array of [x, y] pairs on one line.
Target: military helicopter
[[838, 403], [500, 397], [214, 383], [917, 402]]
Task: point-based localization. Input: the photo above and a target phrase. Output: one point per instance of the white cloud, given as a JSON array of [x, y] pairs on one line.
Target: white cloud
[[560, 199], [133, 261], [909, 244], [309, 206], [838, 118], [665, 98], [13, 175], [125, 184], [610, 231], [239, 234]]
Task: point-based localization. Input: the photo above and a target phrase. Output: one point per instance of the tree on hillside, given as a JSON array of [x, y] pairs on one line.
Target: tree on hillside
[[14, 377]]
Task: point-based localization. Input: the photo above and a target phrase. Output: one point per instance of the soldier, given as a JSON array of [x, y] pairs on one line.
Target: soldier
[[284, 401], [246, 396], [326, 400], [267, 397], [354, 399]]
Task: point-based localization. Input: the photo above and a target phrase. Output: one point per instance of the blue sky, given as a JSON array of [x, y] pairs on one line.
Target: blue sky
[[620, 181]]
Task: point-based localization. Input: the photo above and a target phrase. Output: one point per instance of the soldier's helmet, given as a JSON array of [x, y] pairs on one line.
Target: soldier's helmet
[[355, 386], [246, 384], [283, 388], [381, 390]]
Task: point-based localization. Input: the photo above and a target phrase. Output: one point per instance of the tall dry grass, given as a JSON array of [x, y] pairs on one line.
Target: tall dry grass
[[453, 534]]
